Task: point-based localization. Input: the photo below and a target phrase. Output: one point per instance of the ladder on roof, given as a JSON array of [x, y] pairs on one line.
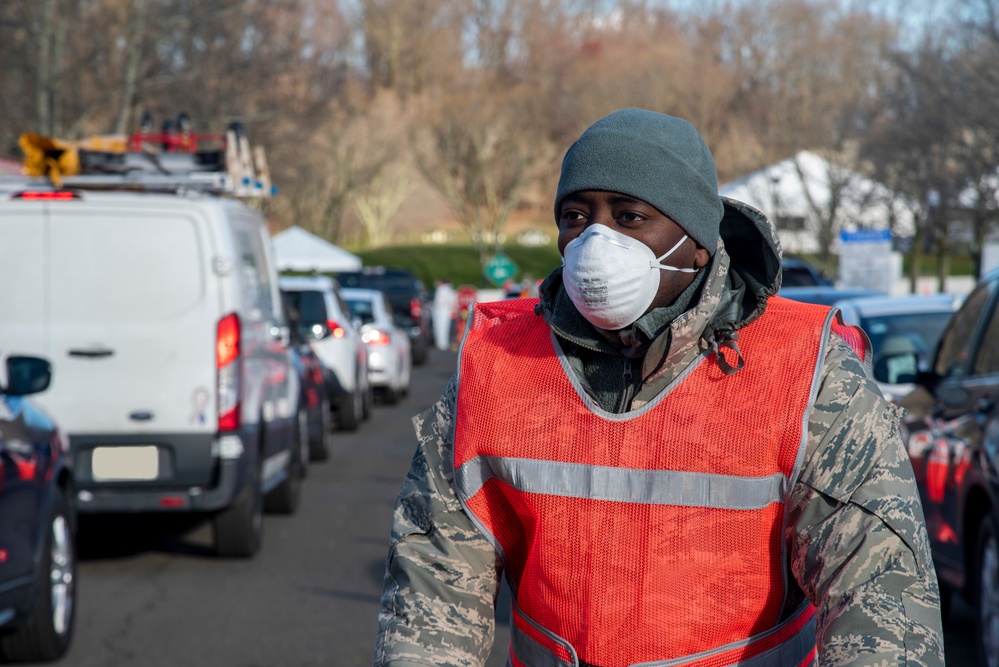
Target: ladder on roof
[[172, 160]]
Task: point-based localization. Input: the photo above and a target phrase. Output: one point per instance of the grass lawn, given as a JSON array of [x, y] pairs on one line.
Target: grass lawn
[[459, 263]]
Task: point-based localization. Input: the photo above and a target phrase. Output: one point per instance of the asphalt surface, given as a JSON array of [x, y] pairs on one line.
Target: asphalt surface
[[152, 594]]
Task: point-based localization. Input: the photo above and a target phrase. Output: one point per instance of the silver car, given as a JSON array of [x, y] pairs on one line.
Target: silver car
[[389, 355], [896, 324], [324, 320]]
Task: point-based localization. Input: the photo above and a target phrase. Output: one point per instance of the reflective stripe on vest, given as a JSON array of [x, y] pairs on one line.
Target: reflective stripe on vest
[[651, 487], [651, 536]]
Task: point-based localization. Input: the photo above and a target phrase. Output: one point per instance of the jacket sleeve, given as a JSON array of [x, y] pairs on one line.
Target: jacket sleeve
[[442, 576], [859, 548]]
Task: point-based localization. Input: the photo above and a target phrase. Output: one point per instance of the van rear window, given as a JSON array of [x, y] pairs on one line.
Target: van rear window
[[310, 306], [121, 268]]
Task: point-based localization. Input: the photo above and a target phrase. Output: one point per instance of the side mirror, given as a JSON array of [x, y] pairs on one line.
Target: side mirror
[[27, 375], [898, 368]]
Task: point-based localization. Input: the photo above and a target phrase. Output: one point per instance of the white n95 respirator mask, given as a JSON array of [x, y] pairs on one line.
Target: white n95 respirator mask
[[612, 278]]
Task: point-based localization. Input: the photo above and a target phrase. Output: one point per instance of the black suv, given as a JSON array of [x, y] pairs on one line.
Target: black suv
[[408, 298], [952, 435]]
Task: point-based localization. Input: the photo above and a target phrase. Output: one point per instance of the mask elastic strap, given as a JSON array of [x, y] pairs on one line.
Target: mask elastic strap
[[666, 267]]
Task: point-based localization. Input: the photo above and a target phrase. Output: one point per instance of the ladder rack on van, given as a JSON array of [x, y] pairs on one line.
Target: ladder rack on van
[[169, 162]]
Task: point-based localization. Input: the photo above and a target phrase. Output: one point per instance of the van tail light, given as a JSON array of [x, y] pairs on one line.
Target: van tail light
[[46, 195], [376, 337], [336, 330], [415, 308], [227, 362]]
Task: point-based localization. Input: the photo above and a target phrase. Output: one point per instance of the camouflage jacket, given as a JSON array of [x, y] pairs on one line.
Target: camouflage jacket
[[858, 547]]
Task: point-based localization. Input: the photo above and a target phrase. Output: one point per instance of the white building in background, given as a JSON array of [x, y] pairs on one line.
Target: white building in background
[[796, 194]]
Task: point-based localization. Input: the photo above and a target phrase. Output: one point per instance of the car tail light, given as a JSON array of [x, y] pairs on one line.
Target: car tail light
[[46, 195], [376, 337], [415, 308], [336, 330], [227, 361]]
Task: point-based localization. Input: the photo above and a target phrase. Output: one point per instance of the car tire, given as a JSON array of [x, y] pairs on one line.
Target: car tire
[[285, 497], [419, 355], [390, 395], [48, 631], [304, 441], [351, 411], [369, 402], [986, 592], [319, 448], [238, 528]]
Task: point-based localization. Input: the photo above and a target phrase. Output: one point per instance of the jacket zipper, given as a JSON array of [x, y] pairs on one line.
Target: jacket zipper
[[627, 392]]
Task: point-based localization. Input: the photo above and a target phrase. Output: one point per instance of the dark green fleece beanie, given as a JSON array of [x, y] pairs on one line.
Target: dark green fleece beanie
[[657, 158]]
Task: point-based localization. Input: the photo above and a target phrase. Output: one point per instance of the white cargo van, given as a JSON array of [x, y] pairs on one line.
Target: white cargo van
[[161, 315]]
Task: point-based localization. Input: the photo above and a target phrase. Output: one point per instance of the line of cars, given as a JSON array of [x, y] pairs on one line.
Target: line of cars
[[938, 358], [951, 430], [172, 371]]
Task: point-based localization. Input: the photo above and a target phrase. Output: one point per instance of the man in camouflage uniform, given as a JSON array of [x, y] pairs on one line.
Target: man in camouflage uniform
[[857, 546]]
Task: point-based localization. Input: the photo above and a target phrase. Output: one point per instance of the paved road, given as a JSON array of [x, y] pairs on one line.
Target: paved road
[[151, 593]]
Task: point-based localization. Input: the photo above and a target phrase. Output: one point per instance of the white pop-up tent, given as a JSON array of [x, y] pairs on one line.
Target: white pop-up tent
[[795, 192], [297, 250]]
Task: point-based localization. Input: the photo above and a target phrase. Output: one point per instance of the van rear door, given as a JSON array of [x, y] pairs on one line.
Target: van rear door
[[22, 278], [132, 320]]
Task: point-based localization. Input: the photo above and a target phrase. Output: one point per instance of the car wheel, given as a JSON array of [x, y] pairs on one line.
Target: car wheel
[[419, 354], [987, 592], [46, 633], [319, 448], [304, 434], [238, 528], [351, 410], [390, 395], [369, 402]]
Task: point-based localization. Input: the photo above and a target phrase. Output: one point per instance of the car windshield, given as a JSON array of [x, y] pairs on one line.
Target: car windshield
[[912, 332], [362, 309], [795, 277]]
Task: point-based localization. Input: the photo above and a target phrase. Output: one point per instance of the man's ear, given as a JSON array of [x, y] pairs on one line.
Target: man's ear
[[701, 257]]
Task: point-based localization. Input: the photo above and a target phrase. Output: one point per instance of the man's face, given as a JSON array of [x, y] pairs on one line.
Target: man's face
[[639, 220]]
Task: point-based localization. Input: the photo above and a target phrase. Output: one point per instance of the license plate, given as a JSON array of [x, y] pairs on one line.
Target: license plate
[[125, 463]]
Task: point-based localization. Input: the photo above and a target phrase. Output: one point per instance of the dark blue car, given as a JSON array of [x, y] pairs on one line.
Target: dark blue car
[[37, 522], [951, 429]]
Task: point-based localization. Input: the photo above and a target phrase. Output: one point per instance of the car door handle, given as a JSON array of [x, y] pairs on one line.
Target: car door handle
[[92, 353]]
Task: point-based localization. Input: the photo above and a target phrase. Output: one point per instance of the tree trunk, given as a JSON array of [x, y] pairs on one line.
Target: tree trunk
[[137, 27], [43, 71], [61, 22], [943, 256], [917, 257]]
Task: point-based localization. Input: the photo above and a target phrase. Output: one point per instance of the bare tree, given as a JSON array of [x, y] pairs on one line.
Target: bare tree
[[478, 158], [376, 205], [133, 51]]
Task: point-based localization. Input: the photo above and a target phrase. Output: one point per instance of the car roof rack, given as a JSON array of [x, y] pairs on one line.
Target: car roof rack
[[173, 160]]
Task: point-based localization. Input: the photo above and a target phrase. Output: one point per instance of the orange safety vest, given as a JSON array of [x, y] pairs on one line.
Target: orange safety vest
[[652, 537]]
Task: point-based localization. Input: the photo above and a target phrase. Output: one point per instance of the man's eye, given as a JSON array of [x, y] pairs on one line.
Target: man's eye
[[631, 216], [572, 216]]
